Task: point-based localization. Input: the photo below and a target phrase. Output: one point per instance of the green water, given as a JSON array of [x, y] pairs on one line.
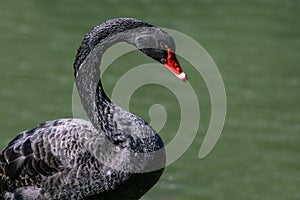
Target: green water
[[256, 45]]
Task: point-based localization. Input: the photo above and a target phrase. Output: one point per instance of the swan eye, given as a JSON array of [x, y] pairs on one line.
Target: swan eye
[[163, 45]]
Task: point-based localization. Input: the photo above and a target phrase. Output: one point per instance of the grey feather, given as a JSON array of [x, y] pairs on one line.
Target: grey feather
[[108, 156]]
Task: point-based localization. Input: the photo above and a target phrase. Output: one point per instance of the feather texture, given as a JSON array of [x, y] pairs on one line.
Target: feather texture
[[108, 156]]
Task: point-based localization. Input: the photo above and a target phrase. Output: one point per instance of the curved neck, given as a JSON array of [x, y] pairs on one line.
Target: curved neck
[[97, 105]]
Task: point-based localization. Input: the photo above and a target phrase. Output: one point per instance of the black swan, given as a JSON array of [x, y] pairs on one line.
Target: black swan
[[99, 158]]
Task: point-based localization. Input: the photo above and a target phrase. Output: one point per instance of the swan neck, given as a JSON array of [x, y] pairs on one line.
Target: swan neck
[[99, 108]]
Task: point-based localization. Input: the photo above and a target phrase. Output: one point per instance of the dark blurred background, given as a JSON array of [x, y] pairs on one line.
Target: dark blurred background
[[255, 44]]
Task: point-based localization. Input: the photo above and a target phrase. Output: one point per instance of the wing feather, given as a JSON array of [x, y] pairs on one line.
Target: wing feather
[[57, 157]]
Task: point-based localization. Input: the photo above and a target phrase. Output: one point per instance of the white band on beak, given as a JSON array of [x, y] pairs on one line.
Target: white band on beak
[[182, 76]]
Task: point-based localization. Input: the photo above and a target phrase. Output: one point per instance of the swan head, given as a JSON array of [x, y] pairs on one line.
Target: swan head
[[160, 46]]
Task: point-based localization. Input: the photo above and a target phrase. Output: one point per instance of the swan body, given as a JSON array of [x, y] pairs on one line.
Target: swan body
[[112, 155]]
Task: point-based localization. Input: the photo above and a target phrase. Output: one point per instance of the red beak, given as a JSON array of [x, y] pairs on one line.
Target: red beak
[[173, 65]]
